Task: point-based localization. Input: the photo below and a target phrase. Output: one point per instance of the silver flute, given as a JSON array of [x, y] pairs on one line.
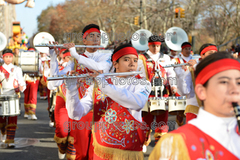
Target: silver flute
[[63, 77], [176, 65], [61, 46]]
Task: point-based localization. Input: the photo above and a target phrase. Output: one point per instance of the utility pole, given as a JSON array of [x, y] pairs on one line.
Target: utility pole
[[141, 16]]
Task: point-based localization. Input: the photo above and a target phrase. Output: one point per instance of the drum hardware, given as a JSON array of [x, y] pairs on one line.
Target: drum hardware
[[9, 105], [176, 105]]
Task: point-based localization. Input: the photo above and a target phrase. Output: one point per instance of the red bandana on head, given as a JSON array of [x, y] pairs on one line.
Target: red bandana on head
[[216, 67], [90, 31], [7, 54], [123, 52], [209, 48]]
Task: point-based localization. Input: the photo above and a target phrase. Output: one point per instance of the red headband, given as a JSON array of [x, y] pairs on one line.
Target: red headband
[[66, 54], [187, 45], [216, 67], [7, 54], [123, 52], [90, 31], [31, 49], [61, 50], [209, 48], [154, 43]]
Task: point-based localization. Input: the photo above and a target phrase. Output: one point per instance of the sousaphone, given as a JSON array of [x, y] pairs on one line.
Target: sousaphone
[[174, 38], [139, 39], [104, 39], [3, 41], [43, 38]]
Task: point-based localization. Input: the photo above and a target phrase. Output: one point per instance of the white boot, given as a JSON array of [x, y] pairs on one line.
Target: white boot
[[25, 115], [144, 149], [33, 117], [60, 155], [11, 145], [3, 137], [51, 124]]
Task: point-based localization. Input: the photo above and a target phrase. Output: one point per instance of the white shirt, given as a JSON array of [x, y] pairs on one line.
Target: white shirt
[[164, 61], [96, 61], [15, 73], [133, 96], [44, 67], [223, 130], [185, 83]]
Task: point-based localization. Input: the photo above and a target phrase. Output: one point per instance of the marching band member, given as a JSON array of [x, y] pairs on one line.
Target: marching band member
[[12, 82], [117, 132], [149, 63], [60, 112], [30, 93], [44, 67], [186, 78], [179, 117], [213, 134], [94, 60]]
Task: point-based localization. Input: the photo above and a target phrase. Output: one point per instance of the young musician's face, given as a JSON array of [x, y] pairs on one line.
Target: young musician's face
[[186, 51], [92, 39], [208, 53], [154, 48], [43, 54], [8, 59], [222, 89], [174, 53], [126, 63], [66, 59]]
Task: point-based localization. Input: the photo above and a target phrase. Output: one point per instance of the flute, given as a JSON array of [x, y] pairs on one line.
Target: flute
[[176, 65], [87, 75], [61, 46]]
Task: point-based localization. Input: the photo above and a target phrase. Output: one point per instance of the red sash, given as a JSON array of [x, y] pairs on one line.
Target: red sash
[[6, 73], [201, 145], [83, 84]]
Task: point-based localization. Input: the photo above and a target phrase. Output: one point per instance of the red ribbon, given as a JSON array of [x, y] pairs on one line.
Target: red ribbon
[[8, 54]]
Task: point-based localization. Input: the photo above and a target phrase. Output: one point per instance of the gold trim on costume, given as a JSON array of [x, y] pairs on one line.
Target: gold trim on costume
[[191, 109], [114, 153], [157, 135], [172, 142], [60, 140], [145, 66]]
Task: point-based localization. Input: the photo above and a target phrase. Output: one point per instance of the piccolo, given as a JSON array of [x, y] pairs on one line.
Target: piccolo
[[176, 65], [61, 46], [63, 77]]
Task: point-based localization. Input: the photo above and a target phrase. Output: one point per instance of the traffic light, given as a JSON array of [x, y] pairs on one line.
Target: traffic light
[[176, 12], [136, 20], [182, 13]]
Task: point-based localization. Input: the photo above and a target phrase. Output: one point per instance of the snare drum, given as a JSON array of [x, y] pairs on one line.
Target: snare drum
[[29, 61], [9, 105], [157, 105], [176, 105]]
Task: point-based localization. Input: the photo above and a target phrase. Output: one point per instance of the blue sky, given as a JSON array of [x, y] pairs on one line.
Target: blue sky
[[28, 16]]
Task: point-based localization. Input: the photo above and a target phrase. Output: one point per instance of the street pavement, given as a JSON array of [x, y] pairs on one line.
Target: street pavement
[[34, 138]]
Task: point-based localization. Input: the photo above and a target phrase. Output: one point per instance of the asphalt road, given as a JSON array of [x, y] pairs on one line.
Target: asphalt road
[[34, 139]]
